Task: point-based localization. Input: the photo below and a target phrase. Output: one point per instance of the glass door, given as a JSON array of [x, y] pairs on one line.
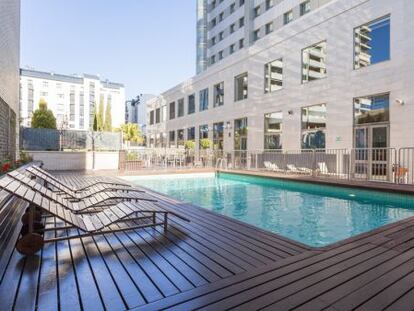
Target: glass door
[[371, 153], [380, 156]]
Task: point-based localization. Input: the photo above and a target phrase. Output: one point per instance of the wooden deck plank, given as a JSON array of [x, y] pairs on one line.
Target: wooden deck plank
[[127, 288], [171, 272], [67, 277], [9, 284], [164, 285], [193, 261], [109, 292], [90, 296], [132, 266], [48, 280]]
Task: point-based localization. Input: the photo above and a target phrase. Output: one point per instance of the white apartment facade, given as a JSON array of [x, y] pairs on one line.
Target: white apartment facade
[[71, 98], [325, 75]]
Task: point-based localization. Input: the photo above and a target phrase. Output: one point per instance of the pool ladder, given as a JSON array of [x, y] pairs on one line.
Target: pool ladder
[[221, 164]]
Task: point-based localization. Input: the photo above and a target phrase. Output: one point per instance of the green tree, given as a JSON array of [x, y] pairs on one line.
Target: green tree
[[189, 145], [132, 132], [95, 120], [205, 143], [107, 127], [100, 116], [43, 117]]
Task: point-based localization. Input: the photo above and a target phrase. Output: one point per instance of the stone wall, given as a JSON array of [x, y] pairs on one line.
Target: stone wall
[[7, 132]]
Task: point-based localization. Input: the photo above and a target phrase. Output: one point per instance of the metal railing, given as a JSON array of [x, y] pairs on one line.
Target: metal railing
[[371, 164]]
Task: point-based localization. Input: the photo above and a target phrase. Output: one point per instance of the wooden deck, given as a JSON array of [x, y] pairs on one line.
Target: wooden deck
[[125, 270], [214, 263]]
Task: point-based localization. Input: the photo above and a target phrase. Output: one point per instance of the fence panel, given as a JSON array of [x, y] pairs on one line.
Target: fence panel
[[373, 164], [37, 139], [404, 170]]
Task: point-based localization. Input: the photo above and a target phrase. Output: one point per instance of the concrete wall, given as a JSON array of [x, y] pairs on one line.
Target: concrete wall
[[335, 23], [76, 161]]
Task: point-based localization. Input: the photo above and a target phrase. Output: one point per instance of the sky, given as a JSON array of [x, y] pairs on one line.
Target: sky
[[148, 45]]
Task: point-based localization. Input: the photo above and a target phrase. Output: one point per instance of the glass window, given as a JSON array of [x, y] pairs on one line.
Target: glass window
[[180, 104], [180, 138], [218, 135], [203, 100], [221, 35], [240, 134], [158, 115], [191, 133], [218, 94], [151, 122], [256, 35], [232, 49], [241, 2], [273, 76], [221, 16], [313, 127], [232, 28], [269, 27], [241, 43], [213, 59], [257, 11], [305, 7], [273, 130], [232, 8], [372, 43], [191, 104], [171, 139], [172, 110], [220, 54], [372, 109], [314, 62], [287, 17], [240, 87], [241, 22], [269, 4]]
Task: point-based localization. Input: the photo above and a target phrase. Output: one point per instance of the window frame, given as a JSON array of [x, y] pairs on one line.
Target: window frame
[[387, 16], [236, 78]]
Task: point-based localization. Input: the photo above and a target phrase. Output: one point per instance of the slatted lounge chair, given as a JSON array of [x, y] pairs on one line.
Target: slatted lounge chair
[[71, 193], [272, 167], [78, 206], [85, 183], [97, 224], [323, 170], [298, 170]]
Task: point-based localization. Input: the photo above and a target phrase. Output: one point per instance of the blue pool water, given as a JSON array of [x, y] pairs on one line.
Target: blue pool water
[[312, 214]]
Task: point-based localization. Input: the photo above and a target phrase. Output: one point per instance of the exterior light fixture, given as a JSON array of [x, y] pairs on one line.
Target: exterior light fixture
[[400, 102]]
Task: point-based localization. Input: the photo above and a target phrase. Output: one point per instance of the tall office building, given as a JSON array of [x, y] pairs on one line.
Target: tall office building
[[295, 74], [136, 110], [71, 98], [9, 76]]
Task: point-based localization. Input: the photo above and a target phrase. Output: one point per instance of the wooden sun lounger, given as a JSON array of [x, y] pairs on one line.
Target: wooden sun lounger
[[32, 240], [88, 184], [64, 188], [78, 206]]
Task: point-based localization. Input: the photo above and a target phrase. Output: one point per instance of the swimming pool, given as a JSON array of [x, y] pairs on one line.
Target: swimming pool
[[313, 214]]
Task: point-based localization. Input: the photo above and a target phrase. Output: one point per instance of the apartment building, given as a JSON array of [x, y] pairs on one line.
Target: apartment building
[[136, 110], [72, 98], [9, 76], [296, 74]]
